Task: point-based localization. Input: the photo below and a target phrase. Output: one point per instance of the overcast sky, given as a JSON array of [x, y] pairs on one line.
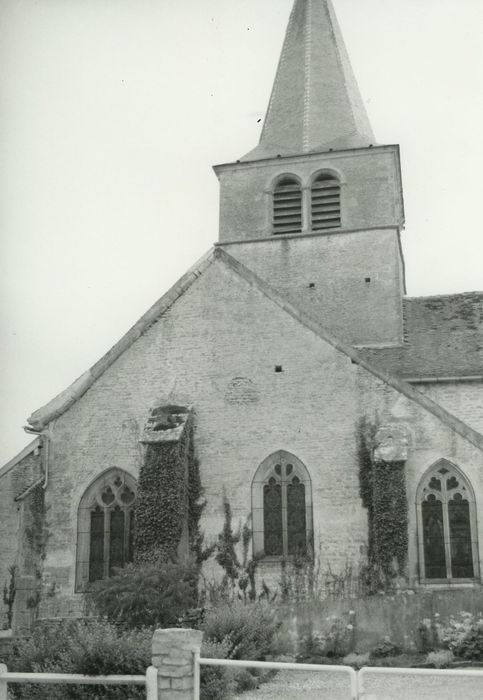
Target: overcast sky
[[112, 113]]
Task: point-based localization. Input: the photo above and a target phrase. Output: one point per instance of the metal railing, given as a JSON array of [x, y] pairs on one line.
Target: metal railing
[[273, 665], [150, 680], [358, 679], [441, 675]]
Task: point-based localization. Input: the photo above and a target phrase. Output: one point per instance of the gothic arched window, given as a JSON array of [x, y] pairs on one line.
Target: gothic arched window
[[282, 507], [325, 202], [287, 206], [446, 525], [105, 527]]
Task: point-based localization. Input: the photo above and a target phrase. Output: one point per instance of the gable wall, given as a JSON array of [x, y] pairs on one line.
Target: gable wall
[[222, 329], [219, 330]]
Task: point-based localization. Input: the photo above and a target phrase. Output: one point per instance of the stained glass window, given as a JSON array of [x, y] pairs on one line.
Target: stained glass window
[[282, 521], [296, 524], [460, 537], [272, 518], [96, 554], [105, 527], [434, 551], [447, 524]]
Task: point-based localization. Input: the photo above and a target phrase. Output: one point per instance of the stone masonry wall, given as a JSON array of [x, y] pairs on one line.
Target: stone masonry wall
[[370, 194], [463, 399], [217, 349], [429, 441], [9, 522], [351, 282]]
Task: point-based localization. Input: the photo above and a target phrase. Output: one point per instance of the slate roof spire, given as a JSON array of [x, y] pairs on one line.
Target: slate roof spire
[[315, 103]]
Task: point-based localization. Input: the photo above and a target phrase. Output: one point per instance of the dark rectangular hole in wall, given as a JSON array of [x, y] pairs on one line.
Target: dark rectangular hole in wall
[[367, 280], [278, 368]]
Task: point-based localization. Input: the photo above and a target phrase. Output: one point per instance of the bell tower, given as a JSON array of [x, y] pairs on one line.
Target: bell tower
[[316, 209]]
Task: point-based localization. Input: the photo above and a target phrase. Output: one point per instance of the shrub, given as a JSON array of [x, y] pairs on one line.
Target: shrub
[[216, 682], [357, 661], [440, 659], [146, 595], [89, 647], [463, 635], [248, 629], [334, 641], [384, 649], [472, 645]]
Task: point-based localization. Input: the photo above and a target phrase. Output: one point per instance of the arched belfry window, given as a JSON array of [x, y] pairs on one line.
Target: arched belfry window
[[282, 507], [325, 202], [446, 525], [105, 527], [287, 206]]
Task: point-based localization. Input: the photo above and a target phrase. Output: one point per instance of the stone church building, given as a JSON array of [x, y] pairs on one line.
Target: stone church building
[[289, 335]]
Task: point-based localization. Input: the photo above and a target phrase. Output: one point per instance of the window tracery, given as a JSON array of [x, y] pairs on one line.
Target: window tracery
[[446, 525], [282, 507], [105, 527]]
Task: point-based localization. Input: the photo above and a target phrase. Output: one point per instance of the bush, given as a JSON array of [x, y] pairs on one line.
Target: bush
[[357, 661], [334, 641], [216, 682], [463, 636], [248, 630], [384, 649], [89, 647], [440, 659], [146, 595]]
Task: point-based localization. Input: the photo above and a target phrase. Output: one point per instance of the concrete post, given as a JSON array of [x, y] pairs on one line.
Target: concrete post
[[3, 683], [173, 656]]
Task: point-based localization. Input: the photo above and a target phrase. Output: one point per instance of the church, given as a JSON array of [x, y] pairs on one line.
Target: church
[[292, 361]]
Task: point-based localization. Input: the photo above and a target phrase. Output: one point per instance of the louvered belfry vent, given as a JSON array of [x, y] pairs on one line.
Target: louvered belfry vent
[[325, 207], [287, 206]]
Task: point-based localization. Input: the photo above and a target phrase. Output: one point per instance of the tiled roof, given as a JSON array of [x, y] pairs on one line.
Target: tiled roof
[[443, 337]]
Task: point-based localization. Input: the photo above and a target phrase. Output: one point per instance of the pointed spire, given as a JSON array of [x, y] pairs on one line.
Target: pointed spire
[[315, 103]]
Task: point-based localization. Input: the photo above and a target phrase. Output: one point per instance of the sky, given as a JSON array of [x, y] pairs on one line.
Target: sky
[[112, 113]]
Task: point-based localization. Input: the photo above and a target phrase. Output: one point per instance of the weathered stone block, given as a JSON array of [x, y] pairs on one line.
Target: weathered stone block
[[391, 443]]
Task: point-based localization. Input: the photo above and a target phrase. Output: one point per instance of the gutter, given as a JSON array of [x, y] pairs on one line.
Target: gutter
[[445, 380]]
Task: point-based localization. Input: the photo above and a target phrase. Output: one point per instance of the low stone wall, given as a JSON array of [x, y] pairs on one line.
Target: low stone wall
[[374, 618]]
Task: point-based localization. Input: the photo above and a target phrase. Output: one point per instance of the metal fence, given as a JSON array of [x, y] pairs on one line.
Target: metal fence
[[367, 684], [419, 684], [370, 683], [347, 671], [149, 681]]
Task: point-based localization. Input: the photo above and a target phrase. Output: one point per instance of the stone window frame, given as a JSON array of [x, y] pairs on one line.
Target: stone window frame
[[90, 499], [261, 477], [423, 490]]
